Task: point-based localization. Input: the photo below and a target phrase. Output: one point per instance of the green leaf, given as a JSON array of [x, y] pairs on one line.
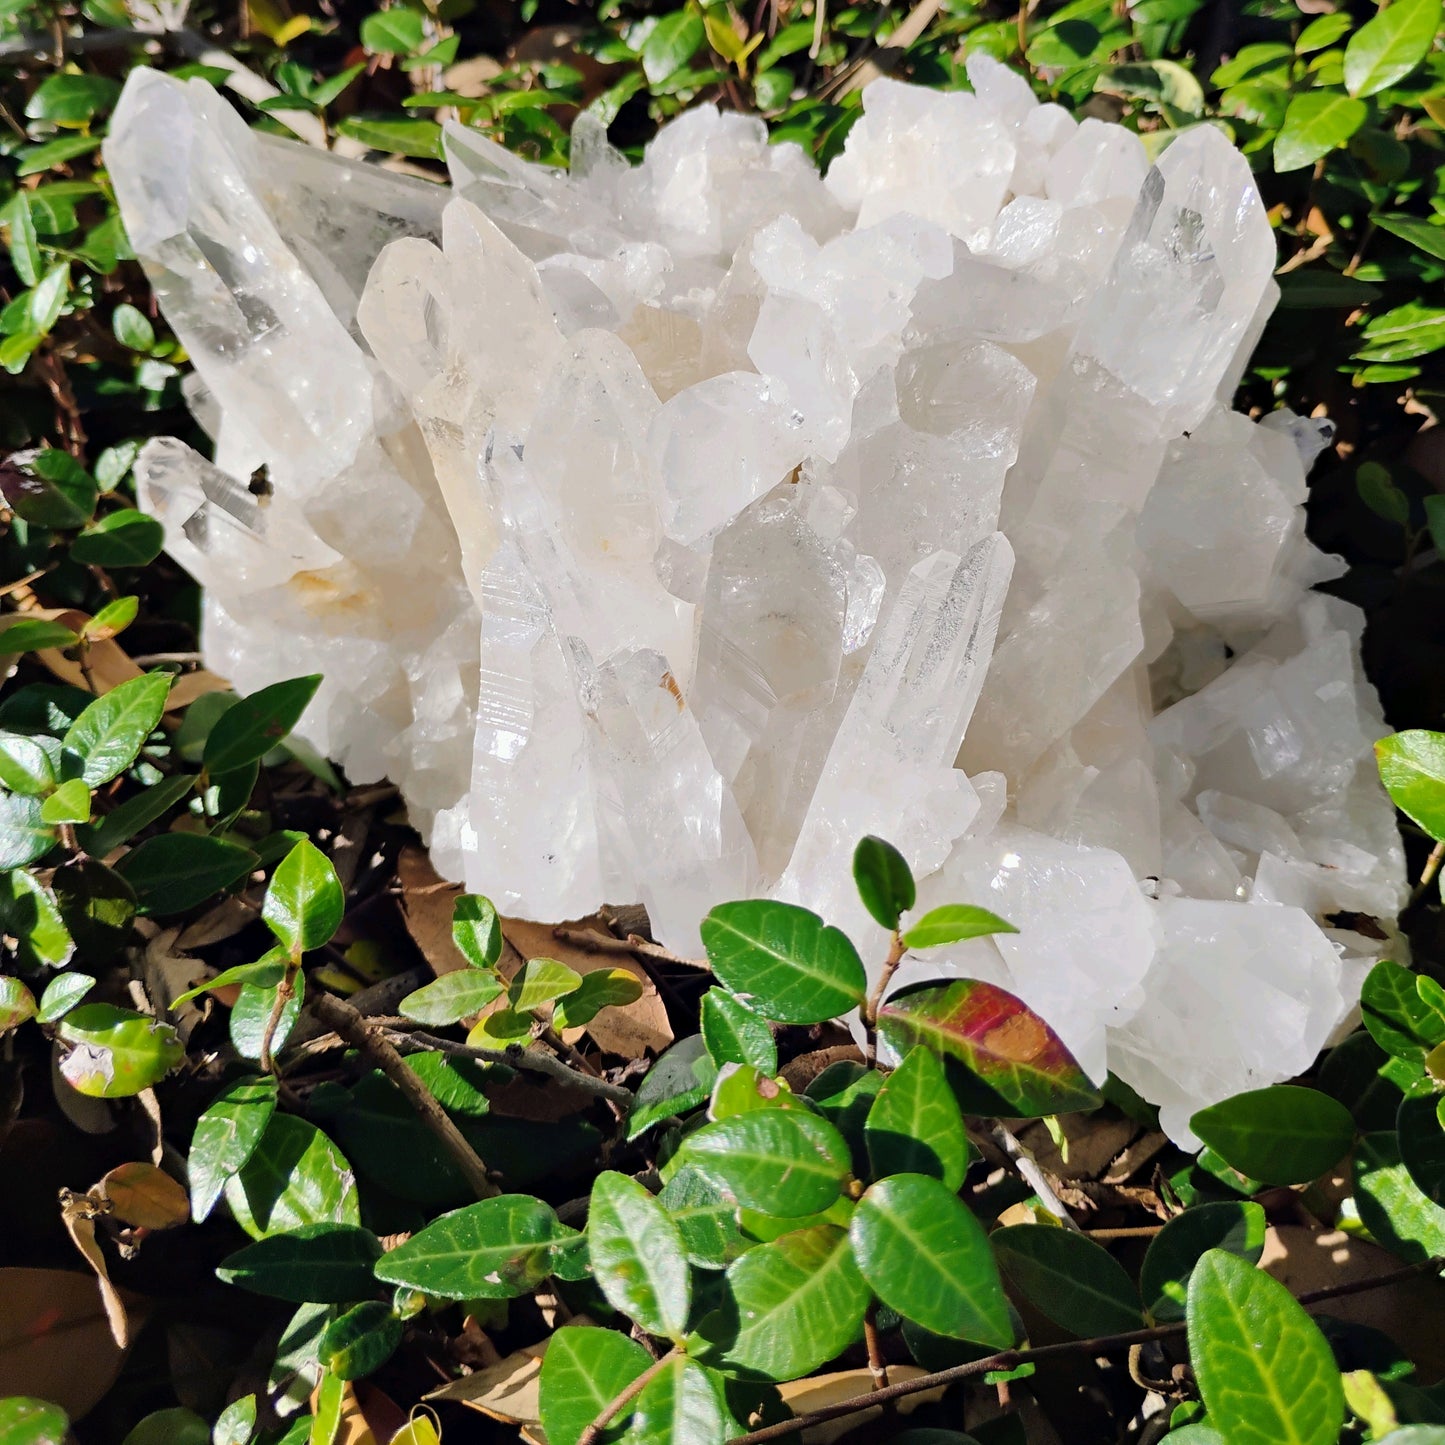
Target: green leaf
[[246, 732], [236, 1424], [23, 837], [539, 981], [25, 766], [19, 220], [1412, 768], [925, 1255], [393, 32], [789, 1307], [1388, 47], [174, 872], [421, 138], [251, 1013], [1234, 1225], [304, 900], [122, 823], [68, 99], [783, 1162], [266, 972], [1322, 32], [176, 1426], [953, 923], [226, 1136], [362, 1340], [683, 1404], [31, 915], [497, 1249], [108, 736], [35, 634], [114, 617], [1422, 1145], [706, 1217], [1390, 1203], [734, 1034], [116, 1052], [1404, 333], [1312, 287], [132, 327], [17, 1003], [477, 931], [322, 95], [1005, 1059], [453, 996], [328, 1263], [62, 994], [681, 1079], [1068, 1278], [295, 1176], [126, 538], [914, 1126], [784, 961], [583, 1371], [1317, 122], [1398, 1019], [69, 803], [637, 1256], [1280, 1135], [671, 43], [1164, 82], [600, 989], [1265, 1371], [26, 1421], [1423, 235], [885, 881], [51, 489]]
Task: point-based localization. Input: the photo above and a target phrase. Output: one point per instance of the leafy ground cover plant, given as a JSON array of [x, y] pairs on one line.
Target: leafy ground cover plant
[[372, 1163]]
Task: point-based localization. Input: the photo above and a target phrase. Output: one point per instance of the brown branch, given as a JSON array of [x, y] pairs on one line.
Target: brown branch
[[1012, 1359], [370, 1039], [285, 991], [589, 938], [875, 999], [877, 1365], [624, 1397]]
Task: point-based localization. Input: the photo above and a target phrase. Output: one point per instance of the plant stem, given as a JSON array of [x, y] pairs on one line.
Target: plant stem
[[285, 990], [1011, 1359], [875, 999], [877, 1366], [624, 1397], [374, 1046]]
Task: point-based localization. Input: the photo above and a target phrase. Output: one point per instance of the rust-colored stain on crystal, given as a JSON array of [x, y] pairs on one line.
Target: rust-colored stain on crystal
[[669, 682]]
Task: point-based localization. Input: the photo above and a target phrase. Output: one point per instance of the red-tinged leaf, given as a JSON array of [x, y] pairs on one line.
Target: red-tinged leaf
[[1003, 1058]]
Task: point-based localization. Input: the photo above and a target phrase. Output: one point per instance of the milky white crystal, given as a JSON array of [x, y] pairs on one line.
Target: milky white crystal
[[662, 529]]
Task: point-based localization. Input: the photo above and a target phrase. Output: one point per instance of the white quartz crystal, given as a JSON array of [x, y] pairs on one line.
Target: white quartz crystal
[[662, 529]]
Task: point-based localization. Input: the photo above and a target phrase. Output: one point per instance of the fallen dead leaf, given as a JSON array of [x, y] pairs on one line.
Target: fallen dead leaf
[[427, 901], [798, 1073], [802, 1396], [143, 1195], [78, 1215], [506, 1391]]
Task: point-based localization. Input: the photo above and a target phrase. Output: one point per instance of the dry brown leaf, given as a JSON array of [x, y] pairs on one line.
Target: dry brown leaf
[[798, 1073], [801, 1396], [143, 1195], [107, 661], [630, 1030], [191, 685], [55, 1342], [506, 1391], [1092, 1143], [78, 1216], [217, 924], [427, 901]]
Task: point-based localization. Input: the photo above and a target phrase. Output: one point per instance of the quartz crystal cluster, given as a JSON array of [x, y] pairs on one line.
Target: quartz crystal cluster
[[663, 529]]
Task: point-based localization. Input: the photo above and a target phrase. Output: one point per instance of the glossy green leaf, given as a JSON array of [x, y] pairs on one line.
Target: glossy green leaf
[[236, 1424], [109, 734], [27, 1421], [266, 972], [671, 43], [113, 618], [477, 931], [706, 1218], [638, 1258], [1006, 1059], [1316, 122], [1423, 235], [398, 31], [600, 989], [295, 1176], [304, 901], [497, 1249], [17, 1003], [226, 1136], [735, 1034], [251, 1014], [683, 1404], [23, 837], [132, 327], [35, 634], [120, 539], [583, 1371], [1279, 1135], [245, 733], [67, 98], [115, 1052], [1068, 1278], [122, 823], [421, 138], [1388, 47], [680, 1080], [1422, 1145], [62, 994], [1391, 1205], [539, 981], [925, 1255], [361, 1341], [1412, 768], [96, 905], [885, 881], [783, 1162], [788, 1307], [25, 766], [953, 923], [1403, 333], [1265, 1372], [453, 996], [176, 1426], [31, 915], [914, 1126], [325, 1262], [1398, 1019], [784, 961], [173, 872], [69, 803], [1235, 1226]]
